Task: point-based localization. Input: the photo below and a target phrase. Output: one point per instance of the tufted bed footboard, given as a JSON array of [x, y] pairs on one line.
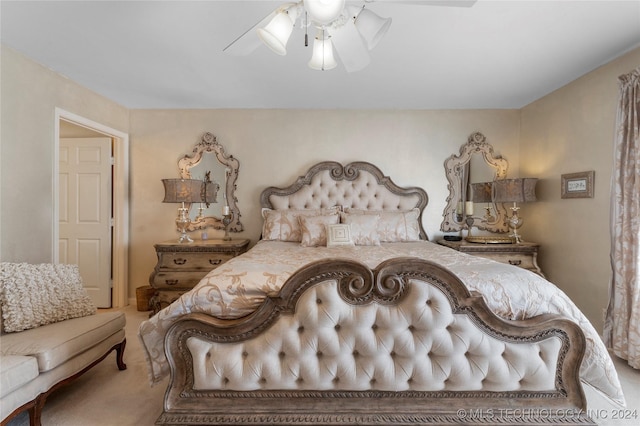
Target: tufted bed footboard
[[405, 343]]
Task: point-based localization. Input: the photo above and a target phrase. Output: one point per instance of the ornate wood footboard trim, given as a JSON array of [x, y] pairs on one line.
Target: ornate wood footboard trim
[[539, 397]]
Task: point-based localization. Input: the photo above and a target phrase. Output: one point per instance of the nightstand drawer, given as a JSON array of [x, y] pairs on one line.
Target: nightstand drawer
[[175, 280], [186, 261], [164, 298], [522, 260]]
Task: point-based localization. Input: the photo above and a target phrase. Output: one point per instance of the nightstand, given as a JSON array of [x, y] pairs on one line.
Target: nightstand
[[182, 265], [524, 255]]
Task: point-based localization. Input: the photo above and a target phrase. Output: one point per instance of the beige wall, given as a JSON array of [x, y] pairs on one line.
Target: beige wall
[[572, 130], [30, 95], [275, 146]]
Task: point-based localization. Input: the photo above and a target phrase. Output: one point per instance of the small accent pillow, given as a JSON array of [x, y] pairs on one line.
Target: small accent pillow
[[37, 294], [339, 235], [394, 227], [364, 228], [314, 229], [283, 225]]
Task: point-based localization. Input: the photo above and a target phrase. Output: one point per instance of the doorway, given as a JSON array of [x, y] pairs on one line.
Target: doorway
[[71, 125]]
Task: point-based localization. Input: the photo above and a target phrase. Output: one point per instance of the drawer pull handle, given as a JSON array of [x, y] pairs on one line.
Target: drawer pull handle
[[171, 282], [515, 262], [215, 262], [179, 261]]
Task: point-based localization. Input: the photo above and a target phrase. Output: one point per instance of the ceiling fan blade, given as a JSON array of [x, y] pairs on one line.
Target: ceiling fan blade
[[453, 3], [350, 47], [248, 41]]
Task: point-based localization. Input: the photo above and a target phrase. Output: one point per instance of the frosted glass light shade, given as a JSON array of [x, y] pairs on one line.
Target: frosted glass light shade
[[277, 32], [322, 57], [324, 11], [371, 27]]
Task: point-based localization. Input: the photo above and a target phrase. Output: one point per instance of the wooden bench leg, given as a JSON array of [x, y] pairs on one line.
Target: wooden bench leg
[[35, 412], [120, 355]]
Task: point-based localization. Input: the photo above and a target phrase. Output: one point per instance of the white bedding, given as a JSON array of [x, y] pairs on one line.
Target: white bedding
[[239, 286]]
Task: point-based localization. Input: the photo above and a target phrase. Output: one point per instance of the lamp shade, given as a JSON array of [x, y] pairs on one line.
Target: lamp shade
[[210, 193], [481, 192], [322, 56], [182, 190], [520, 190], [324, 11], [277, 32], [371, 27]]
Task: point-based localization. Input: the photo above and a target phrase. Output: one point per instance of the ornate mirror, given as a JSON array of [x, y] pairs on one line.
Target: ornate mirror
[[470, 174], [210, 163]]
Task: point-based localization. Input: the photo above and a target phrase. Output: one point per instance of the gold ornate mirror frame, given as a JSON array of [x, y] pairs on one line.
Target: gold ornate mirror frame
[[456, 168], [209, 144]]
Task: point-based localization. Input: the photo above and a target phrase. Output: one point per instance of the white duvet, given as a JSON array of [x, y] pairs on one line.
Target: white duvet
[[238, 287]]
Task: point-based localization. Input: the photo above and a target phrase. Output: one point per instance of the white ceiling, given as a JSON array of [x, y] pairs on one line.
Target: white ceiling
[[148, 54]]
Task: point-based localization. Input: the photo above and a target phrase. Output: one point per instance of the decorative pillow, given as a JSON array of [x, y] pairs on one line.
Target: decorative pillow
[[314, 229], [37, 294], [364, 228], [339, 235], [394, 227], [283, 225]]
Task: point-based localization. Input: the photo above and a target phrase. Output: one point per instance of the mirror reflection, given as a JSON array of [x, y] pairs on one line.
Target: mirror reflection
[[211, 164], [470, 175], [211, 172]]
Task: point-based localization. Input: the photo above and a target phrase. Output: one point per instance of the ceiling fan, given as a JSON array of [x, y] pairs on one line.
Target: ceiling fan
[[352, 29]]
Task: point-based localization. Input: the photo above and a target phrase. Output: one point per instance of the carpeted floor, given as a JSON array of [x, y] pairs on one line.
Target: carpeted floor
[[105, 396]]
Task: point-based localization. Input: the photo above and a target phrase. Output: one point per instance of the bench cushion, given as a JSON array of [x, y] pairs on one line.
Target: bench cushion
[[54, 344], [15, 371]]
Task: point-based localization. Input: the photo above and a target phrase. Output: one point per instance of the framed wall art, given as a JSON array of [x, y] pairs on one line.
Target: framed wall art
[[577, 185]]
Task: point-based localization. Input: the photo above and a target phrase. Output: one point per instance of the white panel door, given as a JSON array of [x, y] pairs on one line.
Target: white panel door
[[85, 212]]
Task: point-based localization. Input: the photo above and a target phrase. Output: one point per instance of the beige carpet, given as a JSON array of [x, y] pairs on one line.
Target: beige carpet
[[105, 396]]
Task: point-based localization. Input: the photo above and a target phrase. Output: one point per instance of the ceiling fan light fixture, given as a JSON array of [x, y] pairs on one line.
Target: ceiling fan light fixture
[[371, 27], [324, 11], [354, 31], [322, 58], [277, 32]]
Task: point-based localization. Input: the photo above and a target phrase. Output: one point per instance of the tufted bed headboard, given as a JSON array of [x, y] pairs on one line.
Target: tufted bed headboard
[[357, 185]]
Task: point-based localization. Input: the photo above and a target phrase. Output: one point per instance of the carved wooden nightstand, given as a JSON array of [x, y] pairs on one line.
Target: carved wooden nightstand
[[182, 265], [524, 255]]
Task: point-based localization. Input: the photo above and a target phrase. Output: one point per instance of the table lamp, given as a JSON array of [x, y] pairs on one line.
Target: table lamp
[[183, 191], [519, 190]]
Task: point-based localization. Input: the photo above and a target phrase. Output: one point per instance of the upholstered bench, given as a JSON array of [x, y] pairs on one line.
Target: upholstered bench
[[51, 334]]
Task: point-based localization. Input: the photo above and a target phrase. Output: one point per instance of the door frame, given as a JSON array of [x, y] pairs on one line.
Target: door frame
[[120, 194]]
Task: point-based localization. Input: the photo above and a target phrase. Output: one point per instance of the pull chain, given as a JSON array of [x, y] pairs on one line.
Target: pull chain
[[306, 29]]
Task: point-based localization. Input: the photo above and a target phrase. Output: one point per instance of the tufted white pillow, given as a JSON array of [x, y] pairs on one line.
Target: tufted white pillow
[[314, 229], [395, 226], [37, 294], [283, 225], [364, 228]]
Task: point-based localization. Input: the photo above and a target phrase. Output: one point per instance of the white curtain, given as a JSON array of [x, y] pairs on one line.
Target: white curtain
[[622, 322]]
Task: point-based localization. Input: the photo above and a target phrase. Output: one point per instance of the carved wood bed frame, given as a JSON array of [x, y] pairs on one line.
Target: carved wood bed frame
[[402, 287]]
